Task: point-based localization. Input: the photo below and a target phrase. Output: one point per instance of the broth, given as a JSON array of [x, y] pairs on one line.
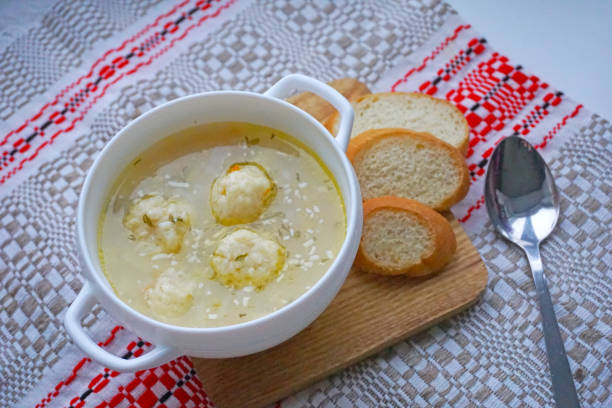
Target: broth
[[167, 254]]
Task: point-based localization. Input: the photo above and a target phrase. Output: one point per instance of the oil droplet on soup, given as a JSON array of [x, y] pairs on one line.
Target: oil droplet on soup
[[220, 224]]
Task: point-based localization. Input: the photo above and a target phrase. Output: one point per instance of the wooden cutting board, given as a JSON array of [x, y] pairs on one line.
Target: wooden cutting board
[[369, 313]]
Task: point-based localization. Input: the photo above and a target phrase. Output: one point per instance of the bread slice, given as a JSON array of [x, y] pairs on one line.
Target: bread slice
[[414, 111], [403, 237], [409, 164]]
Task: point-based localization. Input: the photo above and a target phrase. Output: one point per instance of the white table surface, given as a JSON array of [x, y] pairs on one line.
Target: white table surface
[[566, 43]]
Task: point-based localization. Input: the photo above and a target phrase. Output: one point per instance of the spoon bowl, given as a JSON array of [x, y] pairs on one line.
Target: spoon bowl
[[523, 205], [520, 192]]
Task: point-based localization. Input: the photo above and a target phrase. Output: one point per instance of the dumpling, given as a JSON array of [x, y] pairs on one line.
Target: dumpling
[[241, 194], [245, 258], [161, 221], [172, 294]]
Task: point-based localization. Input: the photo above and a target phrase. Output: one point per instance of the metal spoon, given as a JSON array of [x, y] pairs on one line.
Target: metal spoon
[[523, 205]]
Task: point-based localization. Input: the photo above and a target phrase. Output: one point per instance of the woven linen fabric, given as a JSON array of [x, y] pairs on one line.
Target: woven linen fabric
[[82, 71]]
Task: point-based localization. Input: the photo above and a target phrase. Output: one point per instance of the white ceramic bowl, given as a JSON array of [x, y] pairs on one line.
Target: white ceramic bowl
[[229, 341]]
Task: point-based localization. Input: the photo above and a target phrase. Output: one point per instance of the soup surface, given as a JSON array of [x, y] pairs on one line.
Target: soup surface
[[220, 224]]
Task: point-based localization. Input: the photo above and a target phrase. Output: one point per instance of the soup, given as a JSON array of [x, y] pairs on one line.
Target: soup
[[220, 224]]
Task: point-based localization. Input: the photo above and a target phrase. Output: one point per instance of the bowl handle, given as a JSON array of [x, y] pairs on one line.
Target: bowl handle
[[83, 305], [288, 84]]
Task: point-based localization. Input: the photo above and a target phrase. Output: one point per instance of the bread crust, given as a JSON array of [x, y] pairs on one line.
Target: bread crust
[[443, 248], [368, 138], [331, 122]]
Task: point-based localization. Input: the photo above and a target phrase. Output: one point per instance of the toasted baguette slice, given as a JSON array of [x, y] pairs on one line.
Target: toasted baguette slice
[[403, 237], [409, 164], [414, 111]]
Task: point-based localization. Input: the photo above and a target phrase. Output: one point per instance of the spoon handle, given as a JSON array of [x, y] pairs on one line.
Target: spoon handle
[[562, 381]]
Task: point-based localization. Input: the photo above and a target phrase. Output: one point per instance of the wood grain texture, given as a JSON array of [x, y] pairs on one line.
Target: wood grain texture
[[369, 313]]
